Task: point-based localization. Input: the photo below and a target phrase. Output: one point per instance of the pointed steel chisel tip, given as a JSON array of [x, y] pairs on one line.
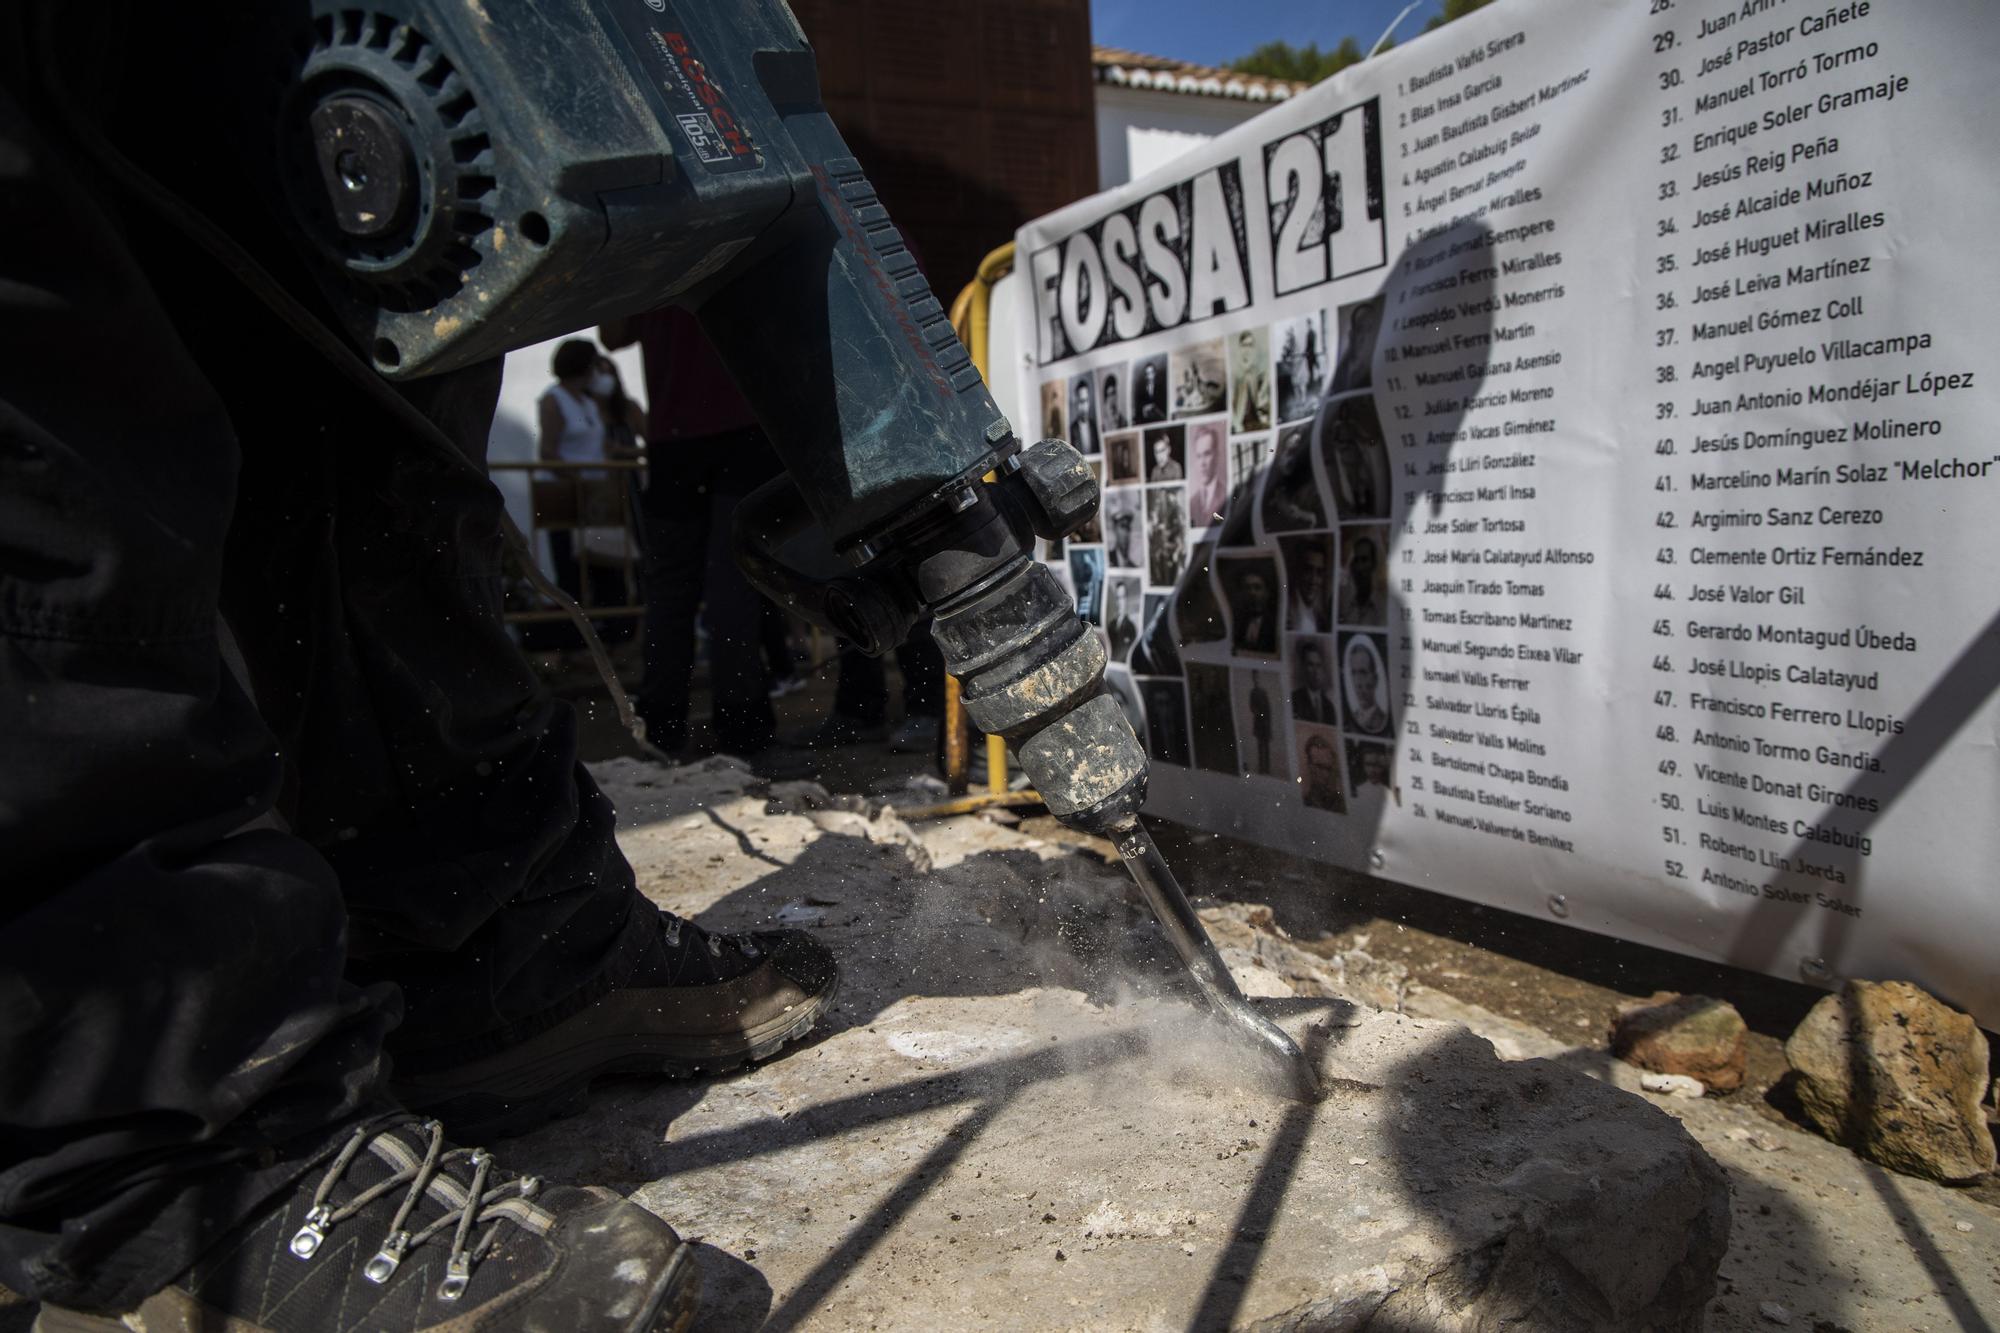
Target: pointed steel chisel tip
[[1277, 1052]]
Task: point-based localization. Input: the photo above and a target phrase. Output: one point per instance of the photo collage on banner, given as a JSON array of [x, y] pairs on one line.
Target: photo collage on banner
[[1238, 568]]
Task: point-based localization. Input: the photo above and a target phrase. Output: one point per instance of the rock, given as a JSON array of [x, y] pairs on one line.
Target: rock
[[1693, 1035], [1672, 1085], [976, 1140], [1773, 1313], [1898, 1077]]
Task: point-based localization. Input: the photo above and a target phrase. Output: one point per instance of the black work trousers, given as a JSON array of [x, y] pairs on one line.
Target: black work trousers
[[862, 692], [690, 504], [216, 900]]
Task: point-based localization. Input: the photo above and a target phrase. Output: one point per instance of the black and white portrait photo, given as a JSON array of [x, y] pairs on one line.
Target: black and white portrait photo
[[1319, 768], [1250, 591], [1165, 450], [1208, 474], [1092, 528], [1298, 360], [1121, 455], [1211, 718], [1249, 381], [1247, 459], [1308, 582], [1364, 576], [1083, 415], [1112, 388], [1055, 418], [1355, 456], [1364, 683], [1197, 610], [1086, 575], [1367, 778], [1313, 697], [1121, 615], [1358, 324], [1159, 651], [1260, 729], [1166, 721], [1124, 532], [1166, 534], [1291, 491], [1200, 383], [1149, 390]]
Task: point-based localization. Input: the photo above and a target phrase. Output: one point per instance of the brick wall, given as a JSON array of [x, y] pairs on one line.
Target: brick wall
[[971, 116]]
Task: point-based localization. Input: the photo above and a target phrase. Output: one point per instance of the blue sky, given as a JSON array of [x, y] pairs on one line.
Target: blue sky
[[1214, 32]]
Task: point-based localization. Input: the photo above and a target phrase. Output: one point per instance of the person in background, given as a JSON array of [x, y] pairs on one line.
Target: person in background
[[624, 420], [860, 713], [706, 452], [572, 424], [572, 428], [781, 660]]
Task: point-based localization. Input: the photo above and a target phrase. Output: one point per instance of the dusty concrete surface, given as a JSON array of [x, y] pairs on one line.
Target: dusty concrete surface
[[1008, 1125], [1819, 1239]]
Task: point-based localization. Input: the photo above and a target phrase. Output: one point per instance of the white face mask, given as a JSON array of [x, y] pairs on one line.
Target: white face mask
[[602, 383]]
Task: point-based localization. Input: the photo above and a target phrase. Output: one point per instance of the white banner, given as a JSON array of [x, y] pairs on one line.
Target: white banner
[[1554, 464]]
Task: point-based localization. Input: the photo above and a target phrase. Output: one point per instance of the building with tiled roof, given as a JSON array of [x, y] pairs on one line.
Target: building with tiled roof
[[1151, 109], [1135, 69]]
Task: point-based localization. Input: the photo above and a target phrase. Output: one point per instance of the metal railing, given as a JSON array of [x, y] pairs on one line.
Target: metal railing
[[596, 504]]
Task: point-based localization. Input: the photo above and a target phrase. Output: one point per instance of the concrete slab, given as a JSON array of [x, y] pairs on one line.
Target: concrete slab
[[1014, 1122]]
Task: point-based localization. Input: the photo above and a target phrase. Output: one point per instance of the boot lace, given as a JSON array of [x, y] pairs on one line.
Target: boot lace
[[478, 1208]]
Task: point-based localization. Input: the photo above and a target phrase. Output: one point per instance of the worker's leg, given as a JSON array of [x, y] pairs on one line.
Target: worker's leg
[[779, 657], [676, 562], [171, 995], [429, 766], [443, 785], [861, 694], [922, 666], [739, 680]]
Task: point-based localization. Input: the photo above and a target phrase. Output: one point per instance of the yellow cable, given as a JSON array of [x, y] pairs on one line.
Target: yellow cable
[[972, 317]]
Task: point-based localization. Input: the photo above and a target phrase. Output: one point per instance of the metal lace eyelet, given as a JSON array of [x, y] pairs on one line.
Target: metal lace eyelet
[[308, 1238], [387, 1259], [457, 1277]]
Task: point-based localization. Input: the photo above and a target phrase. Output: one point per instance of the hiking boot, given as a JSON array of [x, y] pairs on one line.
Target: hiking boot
[[700, 1003], [401, 1230]]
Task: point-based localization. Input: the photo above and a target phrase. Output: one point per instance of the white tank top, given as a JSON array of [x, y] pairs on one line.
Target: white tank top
[[582, 439]]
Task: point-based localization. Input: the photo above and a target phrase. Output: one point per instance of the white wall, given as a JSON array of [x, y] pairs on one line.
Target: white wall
[[1139, 129]]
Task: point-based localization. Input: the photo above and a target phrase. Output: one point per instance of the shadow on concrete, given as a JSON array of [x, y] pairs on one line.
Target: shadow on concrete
[[995, 923]]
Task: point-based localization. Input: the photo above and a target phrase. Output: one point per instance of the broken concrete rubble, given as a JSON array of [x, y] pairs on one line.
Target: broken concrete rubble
[[1013, 1121]]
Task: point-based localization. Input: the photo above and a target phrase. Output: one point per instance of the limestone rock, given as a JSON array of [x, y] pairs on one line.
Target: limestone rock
[[1703, 1038], [1897, 1076]]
